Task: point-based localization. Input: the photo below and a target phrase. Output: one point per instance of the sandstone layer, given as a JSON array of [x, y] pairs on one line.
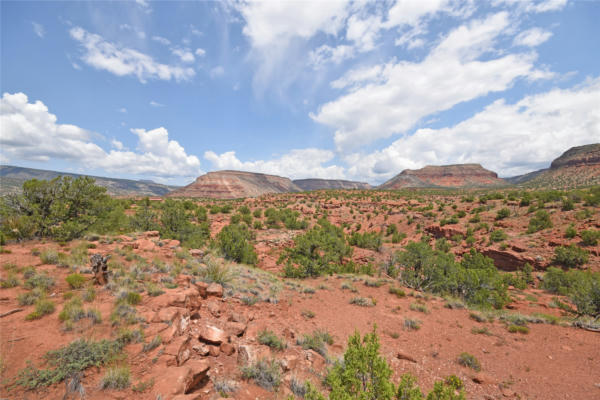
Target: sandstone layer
[[445, 176]]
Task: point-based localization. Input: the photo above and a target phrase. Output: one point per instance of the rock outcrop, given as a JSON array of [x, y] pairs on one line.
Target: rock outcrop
[[578, 166], [445, 176], [235, 185], [329, 184]]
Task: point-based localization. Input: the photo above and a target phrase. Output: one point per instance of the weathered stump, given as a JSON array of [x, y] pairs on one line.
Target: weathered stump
[[100, 268]]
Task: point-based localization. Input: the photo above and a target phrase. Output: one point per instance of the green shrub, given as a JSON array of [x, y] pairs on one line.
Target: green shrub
[[11, 281], [316, 341], [269, 338], [265, 373], [89, 294], [541, 220], [590, 237], [362, 301], [502, 213], [321, 250], [116, 377], [570, 232], [234, 242], [217, 272], [133, 298], [469, 360], [420, 307], [72, 311], [399, 292], [366, 240], [42, 307], [75, 281], [154, 343], [518, 329], [68, 360], [582, 287], [570, 256], [41, 281], [30, 297], [49, 256], [498, 235], [412, 324]]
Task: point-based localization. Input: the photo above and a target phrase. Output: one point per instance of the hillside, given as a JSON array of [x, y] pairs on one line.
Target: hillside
[[445, 176], [329, 184], [578, 166], [12, 178], [234, 185]]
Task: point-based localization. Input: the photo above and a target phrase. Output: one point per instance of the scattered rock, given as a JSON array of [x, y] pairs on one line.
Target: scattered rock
[[214, 290], [403, 356], [227, 348], [236, 328], [212, 334], [483, 379]]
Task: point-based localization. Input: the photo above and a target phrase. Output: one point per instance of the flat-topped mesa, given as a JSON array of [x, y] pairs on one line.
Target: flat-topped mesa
[[449, 176], [578, 156], [234, 185], [329, 184]]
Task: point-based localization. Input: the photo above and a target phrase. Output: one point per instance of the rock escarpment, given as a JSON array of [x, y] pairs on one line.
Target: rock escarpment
[[445, 176], [235, 185], [329, 184], [578, 166]]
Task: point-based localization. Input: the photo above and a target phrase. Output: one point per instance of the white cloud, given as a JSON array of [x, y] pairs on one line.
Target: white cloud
[[185, 55], [123, 61], [156, 104], [200, 52], [161, 40], [31, 132], [217, 72], [325, 53], [299, 163], [38, 29], [391, 98], [510, 139], [532, 37], [535, 6], [116, 144]]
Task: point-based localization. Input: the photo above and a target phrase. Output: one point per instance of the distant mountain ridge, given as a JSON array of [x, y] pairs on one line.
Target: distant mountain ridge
[[329, 184], [578, 166], [12, 178], [445, 176], [234, 185]]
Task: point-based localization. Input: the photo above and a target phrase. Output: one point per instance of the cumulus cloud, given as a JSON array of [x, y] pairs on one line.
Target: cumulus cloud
[[200, 52], [161, 40], [532, 37], [122, 61], [185, 55], [38, 29], [391, 98], [510, 139], [299, 163], [31, 132]]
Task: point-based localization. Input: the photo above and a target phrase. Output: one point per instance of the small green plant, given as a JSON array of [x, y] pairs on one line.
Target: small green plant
[[570, 256], [316, 341], [133, 298], [570, 232], [590, 237], [49, 256], [30, 297], [412, 324], [308, 314], [42, 307], [420, 307], [398, 292], [502, 213], [75, 281], [363, 301], [265, 373], [269, 338], [142, 386], [518, 329], [498, 235], [469, 361], [11, 281], [116, 377], [89, 294], [541, 220], [151, 345]]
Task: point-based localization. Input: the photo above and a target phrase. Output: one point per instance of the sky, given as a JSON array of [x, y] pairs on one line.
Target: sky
[[357, 90]]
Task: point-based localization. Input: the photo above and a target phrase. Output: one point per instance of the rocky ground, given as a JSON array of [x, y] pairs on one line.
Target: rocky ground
[[198, 337]]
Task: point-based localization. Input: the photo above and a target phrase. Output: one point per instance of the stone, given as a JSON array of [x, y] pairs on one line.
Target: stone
[[145, 245], [248, 354], [214, 351], [214, 308], [289, 363], [236, 328], [169, 314], [483, 379], [201, 349], [227, 349], [214, 290], [180, 349], [403, 356], [196, 253], [185, 379], [212, 334], [201, 287], [149, 234]]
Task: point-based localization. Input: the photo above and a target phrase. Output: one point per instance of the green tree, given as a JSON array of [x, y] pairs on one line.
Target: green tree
[[145, 218], [234, 242]]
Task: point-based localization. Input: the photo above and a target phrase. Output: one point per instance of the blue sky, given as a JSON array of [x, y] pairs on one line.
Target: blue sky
[[356, 90]]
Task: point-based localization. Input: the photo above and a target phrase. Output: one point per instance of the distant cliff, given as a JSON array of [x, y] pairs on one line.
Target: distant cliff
[[234, 185], [326, 184], [445, 176]]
